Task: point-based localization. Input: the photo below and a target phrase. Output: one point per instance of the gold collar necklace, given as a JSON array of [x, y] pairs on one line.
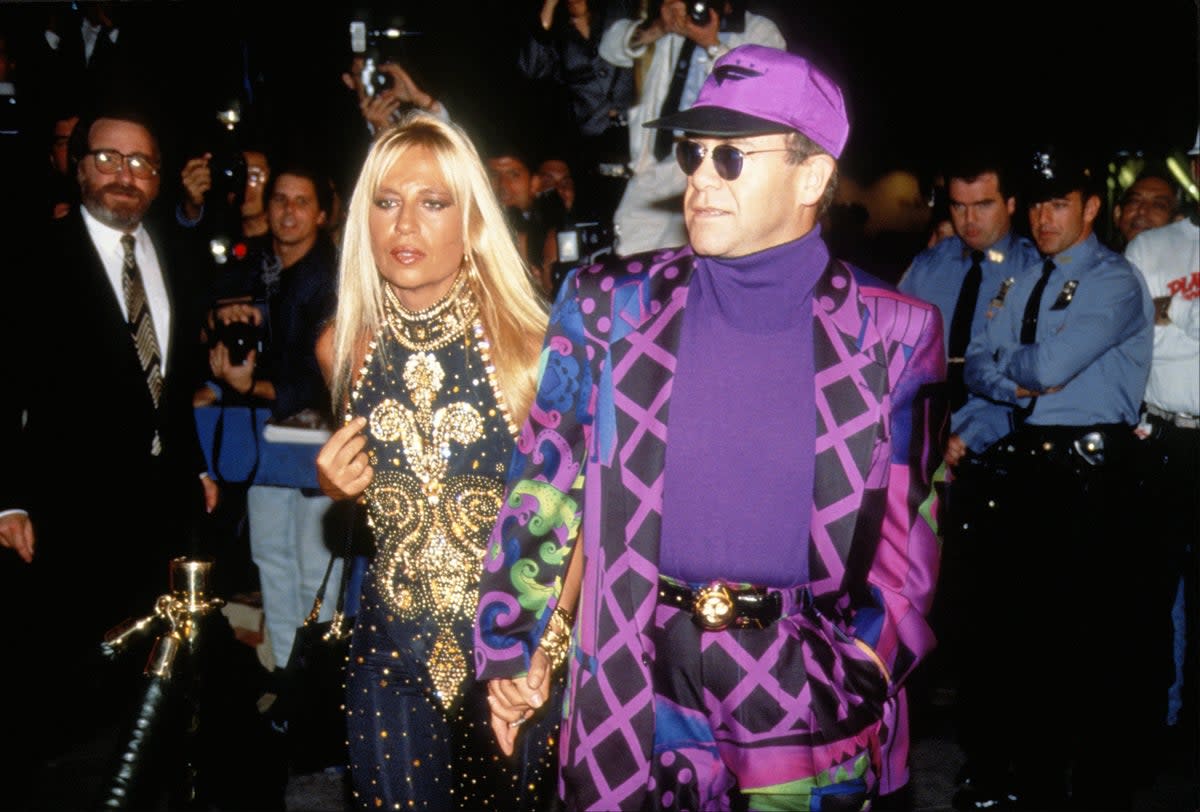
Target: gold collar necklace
[[437, 325]]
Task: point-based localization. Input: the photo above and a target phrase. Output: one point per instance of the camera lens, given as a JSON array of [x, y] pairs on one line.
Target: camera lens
[[239, 338], [383, 80], [698, 11]]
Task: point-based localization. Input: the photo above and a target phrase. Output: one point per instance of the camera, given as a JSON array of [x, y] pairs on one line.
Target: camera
[[580, 244], [731, 13], [698, 10], [239, 338], [584, 242], [376, 46], [228, 168], [228, 165]]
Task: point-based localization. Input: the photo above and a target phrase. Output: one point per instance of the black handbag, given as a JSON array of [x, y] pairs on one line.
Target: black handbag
[[314, 683]]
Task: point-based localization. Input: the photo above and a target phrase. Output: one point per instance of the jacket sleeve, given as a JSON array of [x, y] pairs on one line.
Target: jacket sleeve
[[903, 573], [985, 367], [1108, 309], [538, 58], [538, 523], [614, 44]]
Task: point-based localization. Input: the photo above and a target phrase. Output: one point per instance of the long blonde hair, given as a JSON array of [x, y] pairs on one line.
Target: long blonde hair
[[513, 314]]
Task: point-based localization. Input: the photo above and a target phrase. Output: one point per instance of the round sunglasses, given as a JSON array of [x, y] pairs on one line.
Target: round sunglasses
[[727, 160]]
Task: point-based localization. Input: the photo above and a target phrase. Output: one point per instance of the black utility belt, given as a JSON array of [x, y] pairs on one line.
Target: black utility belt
[[1092, 446], [717, 605]]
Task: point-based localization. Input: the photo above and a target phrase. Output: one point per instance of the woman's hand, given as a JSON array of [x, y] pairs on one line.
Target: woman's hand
[[343, 470]]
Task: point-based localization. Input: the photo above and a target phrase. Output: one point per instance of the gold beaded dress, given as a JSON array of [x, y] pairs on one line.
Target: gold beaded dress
[[439, 438]]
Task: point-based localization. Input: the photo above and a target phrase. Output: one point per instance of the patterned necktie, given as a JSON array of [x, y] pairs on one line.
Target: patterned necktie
[[1029, 330], [960, 330], [141, 329], [665, 137]]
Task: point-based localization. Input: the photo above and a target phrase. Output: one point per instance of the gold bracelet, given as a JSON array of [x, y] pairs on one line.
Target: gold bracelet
[[556, 640]]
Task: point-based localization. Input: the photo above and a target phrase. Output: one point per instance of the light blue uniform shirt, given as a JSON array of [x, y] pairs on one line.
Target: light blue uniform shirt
[[936, 275], [1095, 337]]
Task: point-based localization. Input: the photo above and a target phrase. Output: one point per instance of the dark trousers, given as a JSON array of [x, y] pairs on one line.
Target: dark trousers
[[1169, 473], [968, 613], [1059, 644]]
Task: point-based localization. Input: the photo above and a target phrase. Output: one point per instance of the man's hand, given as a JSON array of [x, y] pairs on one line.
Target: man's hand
[[244, 312], [196, 177], [649, 31], [378, 110], [405, 88], [238, 377], [955, 448], [513, 701], [1022, 392], [676, 20], [1162, 306], [212, 493], [16, 533], [343, 470], [546, 15]]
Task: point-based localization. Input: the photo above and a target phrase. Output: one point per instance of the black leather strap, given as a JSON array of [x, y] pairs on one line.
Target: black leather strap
[[754, 608]]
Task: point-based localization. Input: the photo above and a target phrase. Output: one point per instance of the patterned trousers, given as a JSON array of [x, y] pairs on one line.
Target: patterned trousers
[[785, 717]]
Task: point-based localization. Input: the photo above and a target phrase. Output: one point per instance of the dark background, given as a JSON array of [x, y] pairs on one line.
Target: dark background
[[1110, 77]]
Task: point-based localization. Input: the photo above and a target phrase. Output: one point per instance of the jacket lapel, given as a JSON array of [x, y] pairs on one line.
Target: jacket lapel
[[851, 386], [647, 315]]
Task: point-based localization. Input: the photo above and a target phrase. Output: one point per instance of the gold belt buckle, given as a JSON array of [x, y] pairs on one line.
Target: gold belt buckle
[[713, 607]]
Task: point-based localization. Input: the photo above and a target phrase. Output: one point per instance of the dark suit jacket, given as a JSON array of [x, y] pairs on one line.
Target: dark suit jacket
[[77, 424]]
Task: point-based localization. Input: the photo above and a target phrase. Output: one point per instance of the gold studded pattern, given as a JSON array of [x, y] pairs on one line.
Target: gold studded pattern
[[439, 440]]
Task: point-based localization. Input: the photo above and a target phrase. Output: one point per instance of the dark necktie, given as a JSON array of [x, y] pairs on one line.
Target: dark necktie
[[666, 137], [1029, 329], [960, 330], [141, 329], [1030, 319]]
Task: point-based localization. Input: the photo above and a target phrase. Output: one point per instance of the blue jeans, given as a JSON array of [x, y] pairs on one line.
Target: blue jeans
[[290, 543]]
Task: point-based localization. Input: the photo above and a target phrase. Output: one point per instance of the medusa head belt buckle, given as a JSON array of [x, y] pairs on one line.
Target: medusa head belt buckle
[[713, 607]]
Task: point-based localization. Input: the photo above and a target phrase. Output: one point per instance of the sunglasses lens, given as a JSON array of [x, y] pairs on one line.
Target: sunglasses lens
[[689, 154], [728, 161]]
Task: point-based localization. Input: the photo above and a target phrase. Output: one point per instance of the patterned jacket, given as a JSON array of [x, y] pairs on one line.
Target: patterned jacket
[[590, 461]]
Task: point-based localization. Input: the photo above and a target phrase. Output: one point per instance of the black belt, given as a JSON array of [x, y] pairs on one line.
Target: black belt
[[719, 606], [1176, 419], [1091, 445]]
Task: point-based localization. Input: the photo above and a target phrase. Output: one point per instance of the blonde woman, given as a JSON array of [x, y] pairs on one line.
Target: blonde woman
[[433, 358]]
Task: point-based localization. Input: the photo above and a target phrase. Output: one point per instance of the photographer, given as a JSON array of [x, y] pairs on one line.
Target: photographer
[[247, 171], [560, 47], [289, 293], [686, 38], [385, 91]]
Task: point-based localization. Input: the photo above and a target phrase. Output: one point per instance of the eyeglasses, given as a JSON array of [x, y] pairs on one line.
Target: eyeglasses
[[110, 161], [727, 160]]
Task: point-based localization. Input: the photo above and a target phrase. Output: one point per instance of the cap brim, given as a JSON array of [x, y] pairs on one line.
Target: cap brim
[[717, 121]]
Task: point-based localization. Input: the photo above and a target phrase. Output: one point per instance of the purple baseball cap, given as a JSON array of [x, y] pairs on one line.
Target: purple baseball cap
[[756, 90]]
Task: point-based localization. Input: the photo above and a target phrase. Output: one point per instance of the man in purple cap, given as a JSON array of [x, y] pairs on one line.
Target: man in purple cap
[[739, 437]]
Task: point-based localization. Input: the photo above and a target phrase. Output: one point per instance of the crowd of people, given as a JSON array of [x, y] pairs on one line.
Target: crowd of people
[[669, 503]]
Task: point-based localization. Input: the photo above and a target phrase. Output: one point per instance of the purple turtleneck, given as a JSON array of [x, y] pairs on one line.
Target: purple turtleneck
[[737, 496]]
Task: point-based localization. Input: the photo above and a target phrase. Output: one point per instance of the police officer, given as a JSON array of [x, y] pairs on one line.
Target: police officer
[[1070, 351], [968, 277]]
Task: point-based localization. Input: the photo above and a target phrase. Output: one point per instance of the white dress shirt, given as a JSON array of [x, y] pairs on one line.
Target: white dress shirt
[[108, 244]]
